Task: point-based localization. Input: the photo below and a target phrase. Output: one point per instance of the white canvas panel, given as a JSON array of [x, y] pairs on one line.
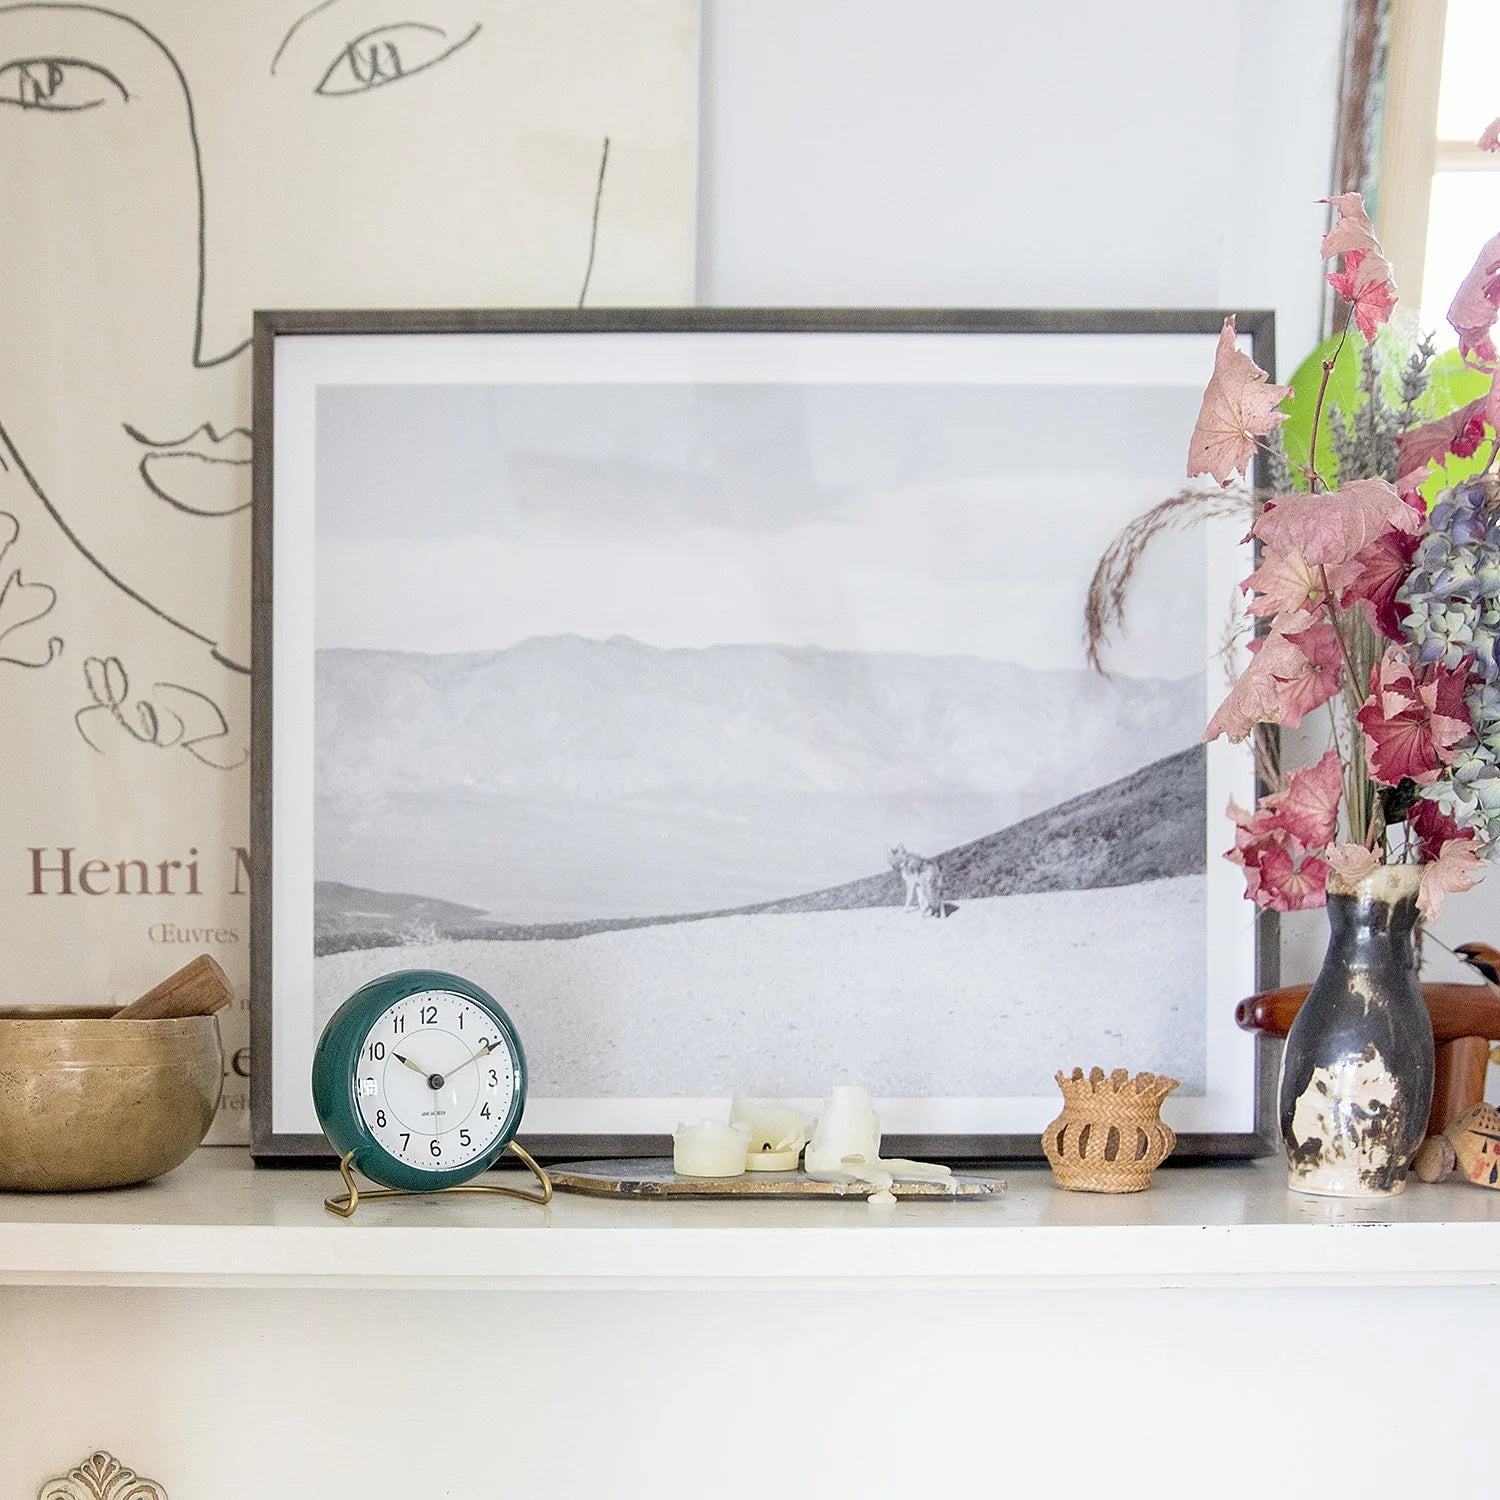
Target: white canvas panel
[[610, 667]]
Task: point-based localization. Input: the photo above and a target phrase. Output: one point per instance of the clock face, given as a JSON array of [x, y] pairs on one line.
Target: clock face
[[437, 1079], [420, 1079]]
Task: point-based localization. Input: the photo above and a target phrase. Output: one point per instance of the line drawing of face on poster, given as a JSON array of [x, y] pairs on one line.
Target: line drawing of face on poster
[[168, 168]]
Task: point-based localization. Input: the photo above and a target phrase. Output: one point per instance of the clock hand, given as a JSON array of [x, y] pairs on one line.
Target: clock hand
[[484, 1051], [434, 1080]]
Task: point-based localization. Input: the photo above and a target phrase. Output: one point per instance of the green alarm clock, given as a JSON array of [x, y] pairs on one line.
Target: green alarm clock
[[419, 1081]]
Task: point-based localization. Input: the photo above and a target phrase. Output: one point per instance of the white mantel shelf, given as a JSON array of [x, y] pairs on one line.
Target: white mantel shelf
[[219, 1222]]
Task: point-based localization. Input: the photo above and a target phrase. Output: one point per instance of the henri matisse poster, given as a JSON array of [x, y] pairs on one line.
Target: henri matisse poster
[[711, 688], [168, 168]]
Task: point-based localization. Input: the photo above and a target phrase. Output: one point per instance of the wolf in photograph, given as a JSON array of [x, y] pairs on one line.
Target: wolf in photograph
[[924, 881]]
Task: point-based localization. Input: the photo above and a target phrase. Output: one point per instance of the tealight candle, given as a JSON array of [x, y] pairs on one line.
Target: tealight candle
[[711, 1148], [777, 1134]]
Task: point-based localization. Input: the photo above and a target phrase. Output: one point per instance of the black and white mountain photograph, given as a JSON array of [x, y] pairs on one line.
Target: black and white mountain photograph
[[740, 736]]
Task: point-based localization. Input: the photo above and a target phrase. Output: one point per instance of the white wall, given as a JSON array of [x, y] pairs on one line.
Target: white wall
[[368, 1395], [992, 152]]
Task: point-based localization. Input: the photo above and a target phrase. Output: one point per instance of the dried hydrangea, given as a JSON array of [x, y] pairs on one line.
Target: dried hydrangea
[[1452, 599]]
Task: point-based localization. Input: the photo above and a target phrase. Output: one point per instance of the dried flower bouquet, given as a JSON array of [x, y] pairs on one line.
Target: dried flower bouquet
[[1373, 603]]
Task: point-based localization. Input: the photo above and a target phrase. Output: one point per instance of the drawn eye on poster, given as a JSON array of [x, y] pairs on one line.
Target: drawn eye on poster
[[166, 169]]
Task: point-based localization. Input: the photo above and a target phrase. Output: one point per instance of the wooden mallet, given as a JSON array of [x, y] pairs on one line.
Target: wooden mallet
[[197, 989]]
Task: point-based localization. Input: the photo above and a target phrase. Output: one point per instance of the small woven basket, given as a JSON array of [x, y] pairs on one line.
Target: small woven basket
[[1109, 1137]]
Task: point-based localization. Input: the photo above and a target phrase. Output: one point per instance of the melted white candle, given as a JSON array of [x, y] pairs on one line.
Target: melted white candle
[[777, 1134], [848, 1126], [846, 1147], [711, 1148]]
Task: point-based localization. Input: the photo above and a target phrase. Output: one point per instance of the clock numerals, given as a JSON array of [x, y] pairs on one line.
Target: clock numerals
[[446, 1126], [422, 1083]]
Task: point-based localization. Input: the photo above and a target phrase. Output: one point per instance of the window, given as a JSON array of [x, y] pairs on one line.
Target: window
[[1439, 193]]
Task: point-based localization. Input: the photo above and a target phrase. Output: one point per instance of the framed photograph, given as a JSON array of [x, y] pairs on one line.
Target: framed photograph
[[709, 686]]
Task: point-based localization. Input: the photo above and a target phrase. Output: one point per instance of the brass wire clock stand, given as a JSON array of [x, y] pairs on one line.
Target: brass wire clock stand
[[344, 1204]]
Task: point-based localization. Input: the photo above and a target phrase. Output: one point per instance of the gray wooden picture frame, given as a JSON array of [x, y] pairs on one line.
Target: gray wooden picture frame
[[270, 1147]]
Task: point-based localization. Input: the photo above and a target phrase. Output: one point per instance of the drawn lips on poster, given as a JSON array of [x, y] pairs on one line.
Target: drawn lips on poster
[[176, 471], [166, 169]]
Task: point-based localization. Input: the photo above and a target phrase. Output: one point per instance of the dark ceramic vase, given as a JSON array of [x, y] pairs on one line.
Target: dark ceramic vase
[[1356, 1078]]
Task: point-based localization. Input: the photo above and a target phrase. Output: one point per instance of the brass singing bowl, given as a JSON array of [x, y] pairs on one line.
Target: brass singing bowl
[[90, 1102]]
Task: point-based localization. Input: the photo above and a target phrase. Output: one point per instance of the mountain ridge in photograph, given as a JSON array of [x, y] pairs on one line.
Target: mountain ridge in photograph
[[1147, 826]]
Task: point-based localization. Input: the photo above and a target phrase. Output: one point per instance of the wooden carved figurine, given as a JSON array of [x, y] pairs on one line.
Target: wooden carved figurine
[[1471, 1144]]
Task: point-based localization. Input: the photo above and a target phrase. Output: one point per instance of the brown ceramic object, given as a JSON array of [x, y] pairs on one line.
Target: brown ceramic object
[[1110, 1136], [88, 1101]]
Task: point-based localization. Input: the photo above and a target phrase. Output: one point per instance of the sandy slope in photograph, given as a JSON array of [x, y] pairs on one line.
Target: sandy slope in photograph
[[988, 1001]]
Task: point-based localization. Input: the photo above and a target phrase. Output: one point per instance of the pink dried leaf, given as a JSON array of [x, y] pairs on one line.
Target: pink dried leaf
[[1294, 670], [1351, 862], [1442, 691], [1431, 827], [1474, 433], [1413, 724], [1475, 306], [1281, 874], [1285, 580], [1368, 285], [1290, 881], [1308, 807], [1432, 442], [1239, 405], [1457, 868], [1248, 841], [1241, 819], [1316, 678], [1393, 683], [1490, 139], [1352, 231], [1255, 698], [1375, 577], [1335, 526]]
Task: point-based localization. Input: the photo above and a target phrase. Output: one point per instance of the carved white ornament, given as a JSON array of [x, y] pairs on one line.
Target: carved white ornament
[[101, 1477]]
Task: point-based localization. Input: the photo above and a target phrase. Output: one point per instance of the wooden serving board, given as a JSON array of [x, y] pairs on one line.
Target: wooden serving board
[[653, 1177]]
